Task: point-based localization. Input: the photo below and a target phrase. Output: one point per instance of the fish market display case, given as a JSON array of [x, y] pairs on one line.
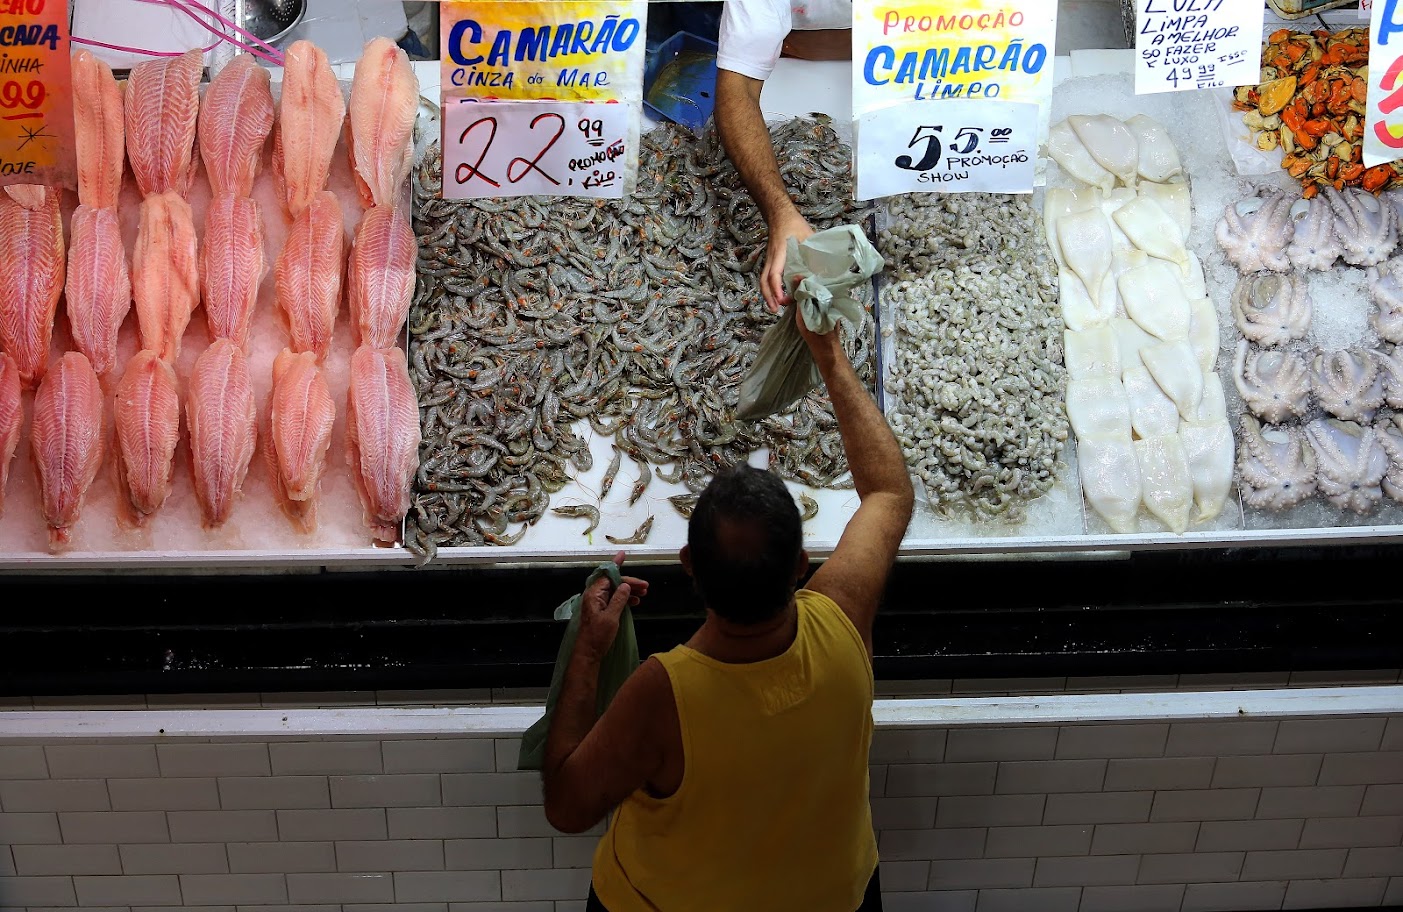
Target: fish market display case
[[1046, 592]]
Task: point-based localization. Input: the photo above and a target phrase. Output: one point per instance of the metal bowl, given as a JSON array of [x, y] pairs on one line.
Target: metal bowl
[[261, 17]]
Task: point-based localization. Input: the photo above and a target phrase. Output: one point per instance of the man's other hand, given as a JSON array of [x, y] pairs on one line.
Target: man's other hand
[[791, 225], [600, 610]]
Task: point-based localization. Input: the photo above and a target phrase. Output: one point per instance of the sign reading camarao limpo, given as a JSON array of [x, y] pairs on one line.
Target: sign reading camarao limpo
[[925, 65], [36, 94]]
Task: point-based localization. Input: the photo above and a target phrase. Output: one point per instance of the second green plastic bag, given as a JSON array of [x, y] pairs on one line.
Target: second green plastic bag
[[829, 265]]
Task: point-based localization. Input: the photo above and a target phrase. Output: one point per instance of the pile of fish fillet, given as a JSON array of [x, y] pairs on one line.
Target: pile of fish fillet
[[90, 411]]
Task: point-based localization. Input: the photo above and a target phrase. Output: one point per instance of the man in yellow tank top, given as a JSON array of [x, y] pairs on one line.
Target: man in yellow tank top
[[735, 766]]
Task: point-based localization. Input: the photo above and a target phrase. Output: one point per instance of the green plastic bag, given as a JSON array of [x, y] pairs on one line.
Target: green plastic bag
[[619, 662], [829, 265]]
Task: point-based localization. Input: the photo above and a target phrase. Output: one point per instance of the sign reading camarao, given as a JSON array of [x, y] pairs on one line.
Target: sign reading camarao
[[951, 95], [541, 97]]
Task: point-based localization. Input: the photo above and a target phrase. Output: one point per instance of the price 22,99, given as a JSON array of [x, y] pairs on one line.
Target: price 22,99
[[966, 141]]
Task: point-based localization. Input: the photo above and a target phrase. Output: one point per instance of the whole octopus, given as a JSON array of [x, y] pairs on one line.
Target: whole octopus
[[639, 316], [977, 383], [1346, 450]]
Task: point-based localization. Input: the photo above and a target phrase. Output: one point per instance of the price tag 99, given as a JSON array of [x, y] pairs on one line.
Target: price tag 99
[[529, 148]]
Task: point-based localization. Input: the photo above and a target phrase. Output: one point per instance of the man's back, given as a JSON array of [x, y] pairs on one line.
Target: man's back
[[772, 810]]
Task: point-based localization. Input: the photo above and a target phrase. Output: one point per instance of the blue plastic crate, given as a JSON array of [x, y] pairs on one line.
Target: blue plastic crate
[[679, 80]]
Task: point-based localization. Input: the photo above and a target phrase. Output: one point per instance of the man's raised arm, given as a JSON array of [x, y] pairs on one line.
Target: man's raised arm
[[856, 574]]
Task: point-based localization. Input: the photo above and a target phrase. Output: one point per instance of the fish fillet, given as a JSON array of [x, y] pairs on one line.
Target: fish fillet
[[162, 111], [384, 103], [310, 113], [380, 276], [231, 266], [99, 131], [67, 442], [165, 273], [236, 117], [11, 419], [221, 416], [30, 196], [309, 274], [148, 429], [30, 283], [98, 294], [382, 437], [301, 416]]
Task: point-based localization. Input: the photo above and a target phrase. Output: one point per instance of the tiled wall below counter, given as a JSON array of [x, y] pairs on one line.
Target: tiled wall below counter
[[1184, 815]]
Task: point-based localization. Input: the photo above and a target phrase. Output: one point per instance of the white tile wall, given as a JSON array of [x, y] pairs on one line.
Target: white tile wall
[[1134, 817]]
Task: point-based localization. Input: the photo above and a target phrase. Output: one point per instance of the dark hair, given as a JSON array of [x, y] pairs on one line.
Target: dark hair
[[745, 536]]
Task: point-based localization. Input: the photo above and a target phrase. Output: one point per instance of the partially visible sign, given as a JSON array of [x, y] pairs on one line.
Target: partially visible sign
[[1200, 44], [1383, 119], [566, 51], [1365, 7], [528, 148], [36, 95], [947, 146], [923, 53]]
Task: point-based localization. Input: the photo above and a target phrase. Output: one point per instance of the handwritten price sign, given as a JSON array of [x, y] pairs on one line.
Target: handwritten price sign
[[1198, 44], [1383, 118], [36, 94], [525, 148], [948, 147]]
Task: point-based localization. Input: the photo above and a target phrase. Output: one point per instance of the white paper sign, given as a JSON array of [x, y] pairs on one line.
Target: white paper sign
[[1197, 44], [947, 147], [1365, 7], [529, 148]]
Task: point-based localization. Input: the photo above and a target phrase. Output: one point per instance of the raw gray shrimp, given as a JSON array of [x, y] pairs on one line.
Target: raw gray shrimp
[[639, 536], [580, 511]]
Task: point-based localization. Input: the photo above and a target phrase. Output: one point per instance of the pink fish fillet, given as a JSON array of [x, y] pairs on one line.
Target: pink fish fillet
[[382, 437], [162, 111], [310, 113], [380, 276], [301, 415], [98, 294], [67, 440], [148, 429], [236, 117], [384, 104], [99, 132], [30, 196], [222, 419], [30, 283], [309, 273], [165, 273], [11, 419], [231, 266]]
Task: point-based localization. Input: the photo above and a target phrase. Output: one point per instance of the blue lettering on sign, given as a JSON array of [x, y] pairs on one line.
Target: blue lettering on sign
[[1388, 25], [29, 36], [935, 63], [539, 43]]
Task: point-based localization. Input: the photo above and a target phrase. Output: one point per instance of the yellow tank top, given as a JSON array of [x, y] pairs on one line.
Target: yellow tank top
[[773, 810]]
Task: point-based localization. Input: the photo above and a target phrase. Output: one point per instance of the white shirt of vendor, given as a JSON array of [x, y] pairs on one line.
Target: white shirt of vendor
[[753, 31]]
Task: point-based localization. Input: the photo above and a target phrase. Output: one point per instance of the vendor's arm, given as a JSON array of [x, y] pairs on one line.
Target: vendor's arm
[[855, 576], [591, 765], [752, 34]]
